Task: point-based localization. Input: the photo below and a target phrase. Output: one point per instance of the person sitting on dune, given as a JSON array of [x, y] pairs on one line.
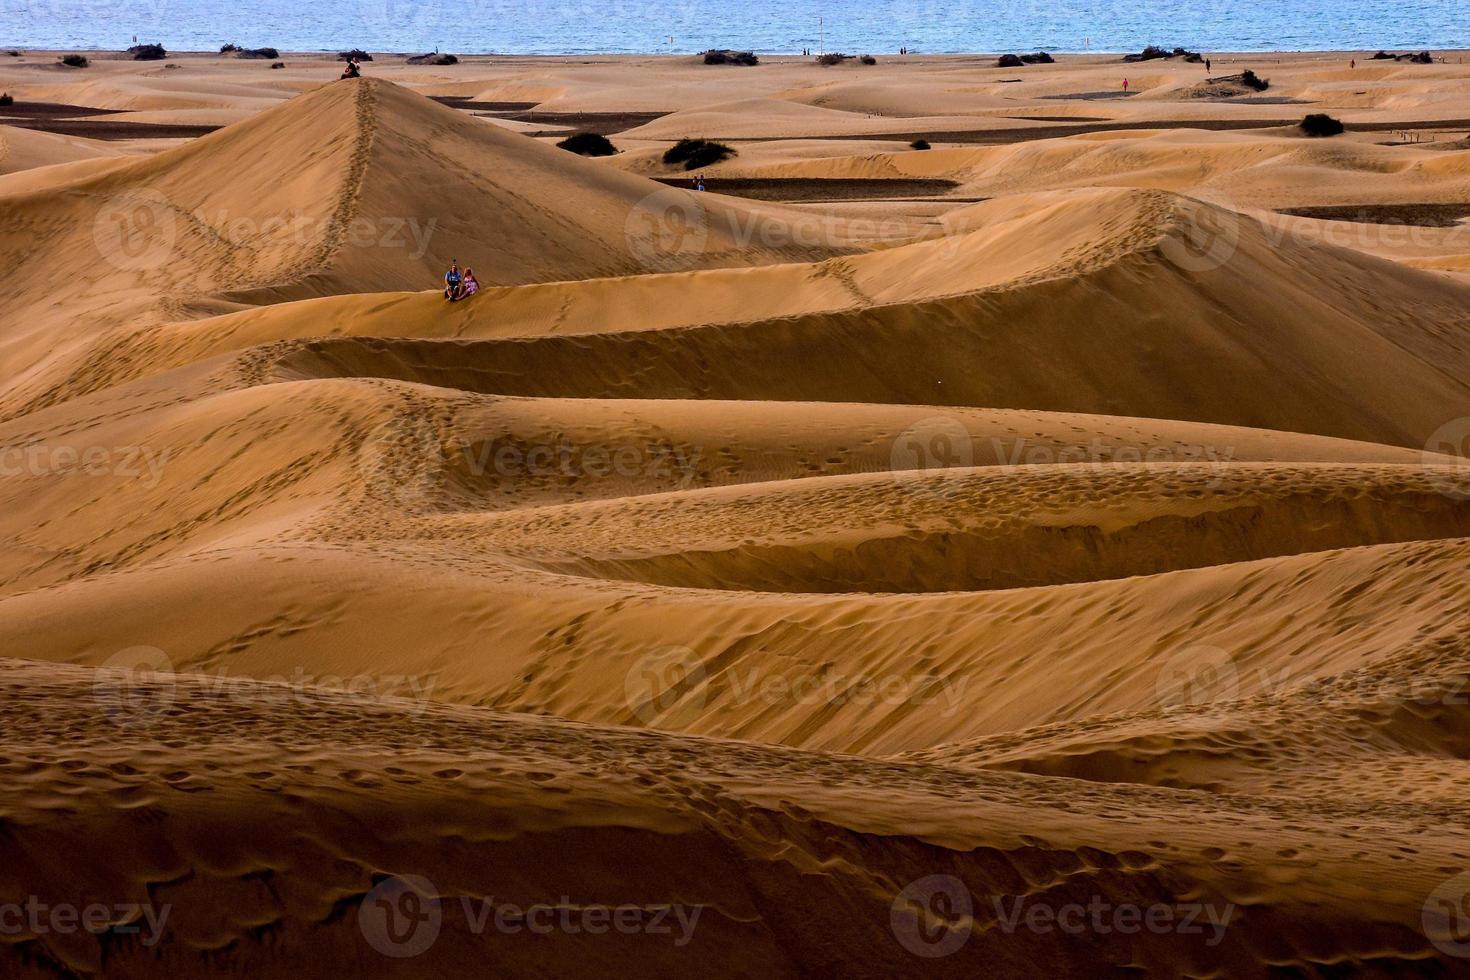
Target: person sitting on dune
[[353, 70], [471, 285], [453, 282]]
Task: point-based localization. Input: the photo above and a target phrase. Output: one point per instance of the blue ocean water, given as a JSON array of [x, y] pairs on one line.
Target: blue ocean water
[[767, 26]]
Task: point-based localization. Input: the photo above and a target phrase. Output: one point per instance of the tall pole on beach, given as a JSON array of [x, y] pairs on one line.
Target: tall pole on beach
[[821, 36]]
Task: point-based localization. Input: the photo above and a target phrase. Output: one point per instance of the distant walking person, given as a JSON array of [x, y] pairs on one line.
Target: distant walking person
[[1207, 65], [1353, 63], [1125, 86]]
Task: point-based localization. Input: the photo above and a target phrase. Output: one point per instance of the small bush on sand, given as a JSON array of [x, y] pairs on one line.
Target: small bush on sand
[[75, 60], [227, 48], [13, 53], [433, 59], [1321, 124], [724, 56], [1250, 79], [589, 145], [264, 54], [1009, 61], [6, 99], [694, 154], [868, 59], [1039, 58], [357, 53], [147, 52], [832, 58], [919, 145], [279, 64], [1153, 51]]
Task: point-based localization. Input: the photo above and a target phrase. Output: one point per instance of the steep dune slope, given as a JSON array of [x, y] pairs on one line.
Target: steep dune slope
[[353, 187], [461, 811], [1178, 310]]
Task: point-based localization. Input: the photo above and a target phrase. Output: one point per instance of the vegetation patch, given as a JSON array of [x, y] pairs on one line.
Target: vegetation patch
[[695, 153], [1153, 52], [1411, 57], [724, 56], [1321, 124], [589, 145]]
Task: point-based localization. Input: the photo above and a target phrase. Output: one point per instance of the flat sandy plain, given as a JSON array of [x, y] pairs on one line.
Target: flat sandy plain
[[1038, 555]]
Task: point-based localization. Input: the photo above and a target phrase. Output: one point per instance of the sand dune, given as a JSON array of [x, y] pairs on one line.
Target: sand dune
[[821, 589]]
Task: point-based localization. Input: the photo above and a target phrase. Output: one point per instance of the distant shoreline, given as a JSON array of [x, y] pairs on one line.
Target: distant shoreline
[[1057, 52]]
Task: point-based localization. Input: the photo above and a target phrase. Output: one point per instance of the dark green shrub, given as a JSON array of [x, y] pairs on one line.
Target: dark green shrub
[[868, 59], [696, 153], [724, 56], [832, 58], [589, 145], [75, 60], [1250, 79], [357, 53], [1321, 124], [147, 52], [264, 54], [919, 145]]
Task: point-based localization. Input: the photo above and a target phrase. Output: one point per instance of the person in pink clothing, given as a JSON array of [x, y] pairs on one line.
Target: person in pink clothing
[[471, 285]]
